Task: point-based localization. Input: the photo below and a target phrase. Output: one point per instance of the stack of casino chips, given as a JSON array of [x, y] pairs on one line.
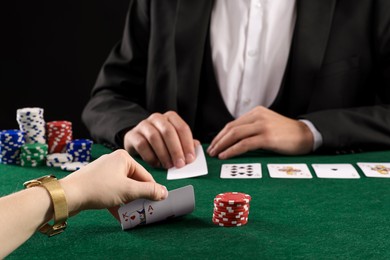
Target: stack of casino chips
[[31, 122], [59, 133], [58, 159], [80, 149], [10, 143], [231, 209], [33, 155]]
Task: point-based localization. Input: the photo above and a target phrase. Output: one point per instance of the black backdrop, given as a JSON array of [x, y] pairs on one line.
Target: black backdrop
[[51, 52]]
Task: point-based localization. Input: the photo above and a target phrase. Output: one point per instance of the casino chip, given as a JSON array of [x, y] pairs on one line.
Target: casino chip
[[231, 209], [73, 166], [33, 155], [80, 149], [58, 159], [59, 133], [10, 143], [31, 121]]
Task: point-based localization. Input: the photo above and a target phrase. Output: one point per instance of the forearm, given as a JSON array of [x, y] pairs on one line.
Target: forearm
[[21, 214], [353, 129]]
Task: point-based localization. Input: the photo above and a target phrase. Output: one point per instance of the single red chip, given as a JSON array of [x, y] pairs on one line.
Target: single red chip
[[233, 198]]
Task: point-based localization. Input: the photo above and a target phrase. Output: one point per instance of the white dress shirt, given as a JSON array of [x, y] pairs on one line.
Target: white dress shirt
[[250, 43]]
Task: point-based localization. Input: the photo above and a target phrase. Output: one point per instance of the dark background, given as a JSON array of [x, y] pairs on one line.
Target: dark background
[[51, 53]]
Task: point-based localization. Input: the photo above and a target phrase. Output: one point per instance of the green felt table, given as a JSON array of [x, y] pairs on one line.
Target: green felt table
[[310, 218]]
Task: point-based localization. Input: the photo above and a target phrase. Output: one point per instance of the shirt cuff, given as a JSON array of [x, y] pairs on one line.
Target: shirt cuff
[[317, 135]]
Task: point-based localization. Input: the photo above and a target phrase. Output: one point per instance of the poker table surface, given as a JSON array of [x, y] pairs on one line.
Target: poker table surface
[[289, 218]]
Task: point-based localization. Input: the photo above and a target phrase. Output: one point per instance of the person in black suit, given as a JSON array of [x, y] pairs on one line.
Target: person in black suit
[[160, 89]]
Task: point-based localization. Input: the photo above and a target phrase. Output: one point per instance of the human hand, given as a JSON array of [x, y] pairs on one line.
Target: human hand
[[262, 128], [162, 140], [111, 180]]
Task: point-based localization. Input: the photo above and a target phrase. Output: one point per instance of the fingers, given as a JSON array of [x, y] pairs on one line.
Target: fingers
[[162, 140], [245, 119], [170, 139], [232, 136], [146, 190], [137, 172], [114, 212], [136, 143], [185, 136], [241, 147]]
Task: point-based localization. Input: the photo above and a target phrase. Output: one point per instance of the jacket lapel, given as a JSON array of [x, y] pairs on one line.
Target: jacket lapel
[[192, 26], [314, 19]]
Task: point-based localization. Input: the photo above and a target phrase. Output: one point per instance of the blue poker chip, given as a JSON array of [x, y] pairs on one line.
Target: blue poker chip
[[80, 149], [10, 143], [73, 166]]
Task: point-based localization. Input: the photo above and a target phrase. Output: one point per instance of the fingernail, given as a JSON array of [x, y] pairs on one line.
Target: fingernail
[[164, 192], [211, 152], [190, 158], [180, 163], [209, 148]]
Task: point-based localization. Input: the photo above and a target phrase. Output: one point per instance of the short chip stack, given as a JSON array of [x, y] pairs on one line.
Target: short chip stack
[[59, 133], [10, 143], [80, 149], [58, 159], [231, 209], [33, 155], [31, 122]]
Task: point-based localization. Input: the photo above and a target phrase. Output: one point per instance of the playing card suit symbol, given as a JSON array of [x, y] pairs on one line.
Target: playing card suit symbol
[[132, 217], [334, 169], [150, 213]]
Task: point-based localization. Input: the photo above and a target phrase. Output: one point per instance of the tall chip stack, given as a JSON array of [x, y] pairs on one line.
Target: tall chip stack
[[31, 121], [10, 143], [33, 155], [231, 209], [59, 133], [80, 149]]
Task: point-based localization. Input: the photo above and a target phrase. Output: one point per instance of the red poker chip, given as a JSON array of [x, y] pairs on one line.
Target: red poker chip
[[233, 198], [227, 218], [231, 210], [232, 216], [224, 212], [59, 133], [224, 204], [229, 223]]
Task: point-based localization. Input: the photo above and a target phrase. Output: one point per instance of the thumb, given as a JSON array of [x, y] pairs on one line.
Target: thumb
[[147, 190]]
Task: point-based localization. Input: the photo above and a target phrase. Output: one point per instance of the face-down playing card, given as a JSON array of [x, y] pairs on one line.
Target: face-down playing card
[[194, 169], [241, 171], [142, 211]]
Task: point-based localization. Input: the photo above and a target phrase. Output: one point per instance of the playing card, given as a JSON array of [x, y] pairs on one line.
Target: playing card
[[132, 214], [377, 170], [336, 171], [241, 171], [194, 169], [289, 171], [179, 202], [140, 212]]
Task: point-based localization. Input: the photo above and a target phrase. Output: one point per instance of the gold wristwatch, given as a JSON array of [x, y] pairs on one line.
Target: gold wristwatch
[[57, 194]]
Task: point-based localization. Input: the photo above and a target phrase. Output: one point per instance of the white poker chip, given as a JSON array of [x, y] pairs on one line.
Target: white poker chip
[[73, 166]]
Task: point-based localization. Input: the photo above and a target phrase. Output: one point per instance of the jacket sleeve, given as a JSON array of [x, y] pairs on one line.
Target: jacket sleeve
[[118, 98], [363, 128]]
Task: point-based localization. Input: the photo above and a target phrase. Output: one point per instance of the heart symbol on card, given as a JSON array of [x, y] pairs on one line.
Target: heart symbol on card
[[132, 217]]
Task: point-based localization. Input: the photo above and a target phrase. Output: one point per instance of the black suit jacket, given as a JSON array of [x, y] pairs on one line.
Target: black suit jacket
[[338, 70]]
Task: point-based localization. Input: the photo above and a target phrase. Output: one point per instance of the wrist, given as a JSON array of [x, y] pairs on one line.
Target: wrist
[[73, 195]]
